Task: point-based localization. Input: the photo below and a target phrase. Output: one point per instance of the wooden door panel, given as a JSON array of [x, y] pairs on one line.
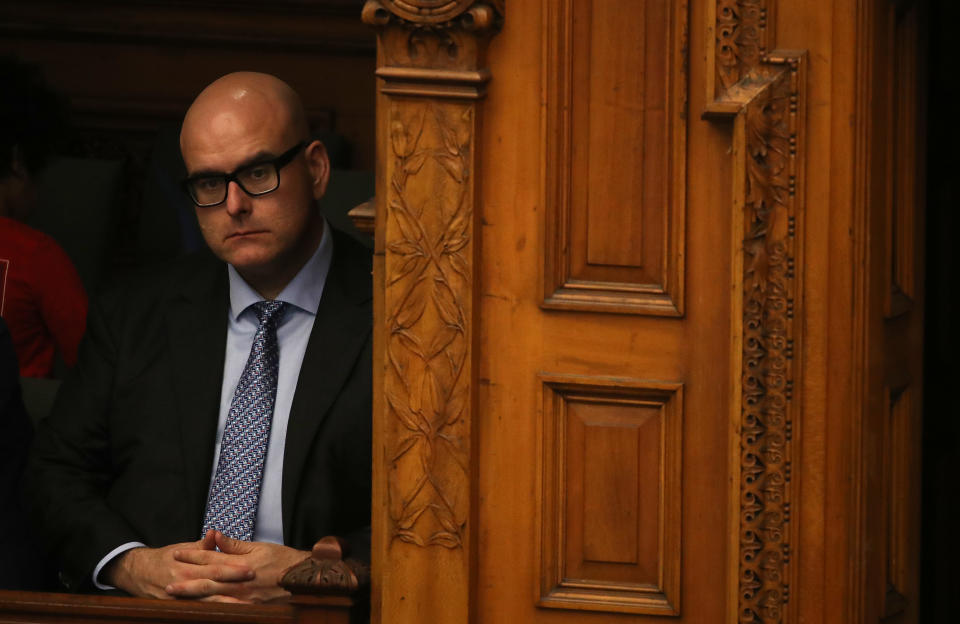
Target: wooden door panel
[[609, 471], [615, 95], [618, 388]]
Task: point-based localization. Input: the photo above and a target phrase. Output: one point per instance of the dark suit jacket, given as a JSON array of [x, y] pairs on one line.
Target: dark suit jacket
[[127, 452]]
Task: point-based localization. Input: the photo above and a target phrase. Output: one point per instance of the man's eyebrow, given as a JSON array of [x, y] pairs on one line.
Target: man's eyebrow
[[259, 157]]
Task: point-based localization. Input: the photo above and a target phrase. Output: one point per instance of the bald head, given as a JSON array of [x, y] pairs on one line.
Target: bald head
[[236, 104], [250, 129]]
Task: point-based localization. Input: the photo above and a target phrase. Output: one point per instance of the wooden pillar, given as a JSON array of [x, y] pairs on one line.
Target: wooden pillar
[[762, 91], [432, 79]]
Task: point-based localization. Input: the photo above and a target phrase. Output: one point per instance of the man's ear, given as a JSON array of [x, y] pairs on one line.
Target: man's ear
[[319, 165]]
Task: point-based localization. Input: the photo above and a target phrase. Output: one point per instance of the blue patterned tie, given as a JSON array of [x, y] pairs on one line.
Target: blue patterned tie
[[232, 502]]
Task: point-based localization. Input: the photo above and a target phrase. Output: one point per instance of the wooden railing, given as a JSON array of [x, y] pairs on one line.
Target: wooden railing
[[35, 608]]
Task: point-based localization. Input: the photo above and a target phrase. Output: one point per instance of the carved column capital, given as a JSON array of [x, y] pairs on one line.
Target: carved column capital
[[471, 15], [433, 49]]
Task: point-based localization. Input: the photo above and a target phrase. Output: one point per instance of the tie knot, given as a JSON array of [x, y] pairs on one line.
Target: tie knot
[[268, 311]]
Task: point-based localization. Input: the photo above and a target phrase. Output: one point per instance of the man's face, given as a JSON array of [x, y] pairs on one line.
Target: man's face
[[270, 235]]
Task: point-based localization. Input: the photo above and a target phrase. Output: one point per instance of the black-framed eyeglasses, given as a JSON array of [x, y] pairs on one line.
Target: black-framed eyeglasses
[[259, 178]]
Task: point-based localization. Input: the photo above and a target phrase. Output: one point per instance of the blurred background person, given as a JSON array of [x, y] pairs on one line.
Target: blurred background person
[[21, 565], [42, 298]]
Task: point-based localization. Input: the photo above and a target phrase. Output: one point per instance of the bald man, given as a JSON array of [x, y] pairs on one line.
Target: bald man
[[218, 421]]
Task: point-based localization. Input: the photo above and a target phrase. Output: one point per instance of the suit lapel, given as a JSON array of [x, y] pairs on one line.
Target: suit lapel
[[197, 324], [339, 332]]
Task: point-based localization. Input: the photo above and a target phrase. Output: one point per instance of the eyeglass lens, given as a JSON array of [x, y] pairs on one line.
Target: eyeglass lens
[[256, 179]]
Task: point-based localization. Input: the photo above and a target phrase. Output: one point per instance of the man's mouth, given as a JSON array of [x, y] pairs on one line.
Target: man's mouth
[[244, 233]]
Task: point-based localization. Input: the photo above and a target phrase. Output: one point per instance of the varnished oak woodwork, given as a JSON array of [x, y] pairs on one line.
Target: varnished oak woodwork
[[616, 79], [522, 339], [610, 473], [431, 77], [781, 515], [902, 93], [890, 327]]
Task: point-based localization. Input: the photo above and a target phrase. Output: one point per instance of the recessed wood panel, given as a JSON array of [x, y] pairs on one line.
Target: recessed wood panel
[[616, 98], [896, 473], [902, 191], [610, 522], [611, 495]]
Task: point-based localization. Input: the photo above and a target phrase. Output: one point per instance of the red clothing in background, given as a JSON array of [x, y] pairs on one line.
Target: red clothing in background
[[41, 298]]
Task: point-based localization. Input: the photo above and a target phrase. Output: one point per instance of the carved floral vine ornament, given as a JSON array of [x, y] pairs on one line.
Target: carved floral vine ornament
[[430, 54], [427, 343], [763, 91]]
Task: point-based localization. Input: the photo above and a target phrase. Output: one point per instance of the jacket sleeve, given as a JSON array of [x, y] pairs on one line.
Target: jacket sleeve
[[69, 469]]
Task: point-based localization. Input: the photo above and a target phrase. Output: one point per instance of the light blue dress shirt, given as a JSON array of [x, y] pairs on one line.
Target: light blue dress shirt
[[302, 295]]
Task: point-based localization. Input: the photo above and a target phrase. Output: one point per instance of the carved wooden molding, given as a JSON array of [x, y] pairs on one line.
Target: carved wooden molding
[[744, 34], [431, 78], [763, 92], [639, 569], [572, 280], [363, 216]]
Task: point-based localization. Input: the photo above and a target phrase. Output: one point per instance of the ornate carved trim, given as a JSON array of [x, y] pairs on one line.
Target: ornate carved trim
[[469, 85], [428, 303], [763, 92], [770, 332], [743, 30], [430, 66]]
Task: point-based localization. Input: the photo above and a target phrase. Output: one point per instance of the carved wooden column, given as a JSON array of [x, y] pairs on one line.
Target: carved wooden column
[[432, 78], [762, 91]]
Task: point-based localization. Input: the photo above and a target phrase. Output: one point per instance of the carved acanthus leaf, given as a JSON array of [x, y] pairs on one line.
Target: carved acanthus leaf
[[769, 331]]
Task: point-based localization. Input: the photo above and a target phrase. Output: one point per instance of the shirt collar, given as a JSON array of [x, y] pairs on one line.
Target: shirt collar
[[303, 291]]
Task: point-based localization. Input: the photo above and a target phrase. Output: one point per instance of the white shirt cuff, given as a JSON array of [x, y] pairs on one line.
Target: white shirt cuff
[[110, 557]]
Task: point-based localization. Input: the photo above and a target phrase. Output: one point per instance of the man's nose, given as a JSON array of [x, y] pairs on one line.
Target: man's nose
[[237, 201]]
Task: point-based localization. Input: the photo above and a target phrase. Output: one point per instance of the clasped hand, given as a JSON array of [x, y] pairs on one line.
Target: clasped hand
[[239, 572]]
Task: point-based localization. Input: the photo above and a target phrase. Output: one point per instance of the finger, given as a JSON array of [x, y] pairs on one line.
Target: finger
[[224, 573], [200, 588], [209, 540], [329, 547], [221, 598], [216, 566], [201, 557], [232, 546]]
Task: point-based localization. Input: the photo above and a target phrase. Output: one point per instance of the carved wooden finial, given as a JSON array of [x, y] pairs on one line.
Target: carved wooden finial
[[471, 15]]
